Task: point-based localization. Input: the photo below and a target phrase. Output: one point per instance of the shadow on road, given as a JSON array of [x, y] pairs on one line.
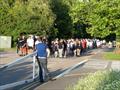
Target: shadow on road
[[15, 73]]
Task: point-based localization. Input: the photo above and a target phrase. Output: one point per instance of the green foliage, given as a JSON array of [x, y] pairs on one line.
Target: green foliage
[[42, 17], [29, 16], [60, 18], [63, 21], [78, 21], [100, 17], [101, 80], [103, 17]]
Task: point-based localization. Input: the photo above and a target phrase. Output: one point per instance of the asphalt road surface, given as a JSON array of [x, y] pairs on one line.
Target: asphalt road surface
[[23, 70]]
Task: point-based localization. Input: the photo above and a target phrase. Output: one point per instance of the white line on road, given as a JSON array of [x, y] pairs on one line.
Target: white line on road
[[63, 73], [30, 80], [71, 68], [7, 86]]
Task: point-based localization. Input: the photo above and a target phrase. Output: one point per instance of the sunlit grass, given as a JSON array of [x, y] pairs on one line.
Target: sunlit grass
[[1, 49], [7, 49], [111, 56]]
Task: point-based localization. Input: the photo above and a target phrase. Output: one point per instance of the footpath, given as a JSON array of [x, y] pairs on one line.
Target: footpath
[[95, 63], [23, 71], [7, 57], [62, 79]]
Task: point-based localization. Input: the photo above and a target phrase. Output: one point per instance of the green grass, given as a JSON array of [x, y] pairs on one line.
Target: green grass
[[111, 56], [1, 50], [101, 80], [7, 49]]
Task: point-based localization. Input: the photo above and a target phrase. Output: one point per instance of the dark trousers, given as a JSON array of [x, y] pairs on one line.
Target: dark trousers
[[43, 72], [40, 71]]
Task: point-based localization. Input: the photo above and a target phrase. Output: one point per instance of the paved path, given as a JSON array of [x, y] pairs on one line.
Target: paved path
[[115, 65], [71, 78], [23, 70], [94, 64], [7, 57], [57, 66]]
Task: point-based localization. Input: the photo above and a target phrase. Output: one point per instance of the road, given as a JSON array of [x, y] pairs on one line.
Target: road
[[56, 66]]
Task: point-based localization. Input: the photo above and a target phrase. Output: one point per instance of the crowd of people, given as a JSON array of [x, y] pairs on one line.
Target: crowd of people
[[56, 48], [59, 47]]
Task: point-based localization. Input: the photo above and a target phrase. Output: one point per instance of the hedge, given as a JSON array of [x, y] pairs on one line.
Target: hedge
[[101, 80]]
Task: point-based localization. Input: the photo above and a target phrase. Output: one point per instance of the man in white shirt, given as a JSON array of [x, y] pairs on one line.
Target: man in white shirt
[[30, 43]]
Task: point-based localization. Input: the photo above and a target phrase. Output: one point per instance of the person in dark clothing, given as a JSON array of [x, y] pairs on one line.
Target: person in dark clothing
[[22, 46], [17, 46], [65, 48], [52, 49]]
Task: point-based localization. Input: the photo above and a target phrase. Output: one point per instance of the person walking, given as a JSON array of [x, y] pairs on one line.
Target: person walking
[[41, 48]]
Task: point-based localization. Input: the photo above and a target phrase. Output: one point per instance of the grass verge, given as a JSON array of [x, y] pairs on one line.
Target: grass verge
[[111, 56], [7, 49], [101, 80], [1, 50]]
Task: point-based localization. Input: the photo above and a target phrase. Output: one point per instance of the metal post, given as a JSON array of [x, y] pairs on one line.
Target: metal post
[[33, 67]]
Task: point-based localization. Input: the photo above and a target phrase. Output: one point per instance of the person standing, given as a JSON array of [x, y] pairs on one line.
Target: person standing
[[18, 45], [30, 44], [60, 48], [22, 46], [41, 48]]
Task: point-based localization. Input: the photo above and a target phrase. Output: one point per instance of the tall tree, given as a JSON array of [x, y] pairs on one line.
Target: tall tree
[[63, 20], [78, 16], [100, 17], [29, 16], [103, 17]]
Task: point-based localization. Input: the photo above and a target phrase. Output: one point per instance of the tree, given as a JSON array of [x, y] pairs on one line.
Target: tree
[[63, 20], [99, 17], [103, 17], [42, 17], [29, 16], [78, 16]]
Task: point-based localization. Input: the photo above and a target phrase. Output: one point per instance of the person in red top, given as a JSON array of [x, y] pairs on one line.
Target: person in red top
[[84, 45]]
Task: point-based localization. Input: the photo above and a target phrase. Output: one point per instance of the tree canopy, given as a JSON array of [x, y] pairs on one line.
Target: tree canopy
[[101, 17], [104, 18], [60, 18], [29, 16]]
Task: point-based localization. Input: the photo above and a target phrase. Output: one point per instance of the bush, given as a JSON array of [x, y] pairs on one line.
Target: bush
[[101, 80]]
